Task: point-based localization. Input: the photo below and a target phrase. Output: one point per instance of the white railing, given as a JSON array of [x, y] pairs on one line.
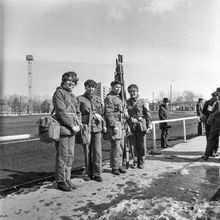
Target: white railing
[[171, 120], [25, 137], [19, 138]]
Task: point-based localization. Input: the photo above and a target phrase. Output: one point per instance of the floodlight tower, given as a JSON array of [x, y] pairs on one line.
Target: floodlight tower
[[30, 58]]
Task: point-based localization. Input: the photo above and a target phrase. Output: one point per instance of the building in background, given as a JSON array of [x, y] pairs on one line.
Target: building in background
[[102, 90]]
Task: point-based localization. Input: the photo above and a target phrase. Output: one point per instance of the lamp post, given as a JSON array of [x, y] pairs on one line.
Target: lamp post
[[171, 95], [30, 58]]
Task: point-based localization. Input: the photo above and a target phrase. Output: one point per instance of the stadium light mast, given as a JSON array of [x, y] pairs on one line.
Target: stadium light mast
[[30, 58]]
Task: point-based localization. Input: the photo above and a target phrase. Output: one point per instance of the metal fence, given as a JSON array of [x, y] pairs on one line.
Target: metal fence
[[30, 137]]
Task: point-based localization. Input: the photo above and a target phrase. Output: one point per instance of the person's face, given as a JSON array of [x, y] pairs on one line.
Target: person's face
[[69, 84], [90, 89], [133, 93], [116, 89]]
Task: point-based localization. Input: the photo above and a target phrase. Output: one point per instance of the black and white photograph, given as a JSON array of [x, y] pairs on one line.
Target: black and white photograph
[[109, 109]]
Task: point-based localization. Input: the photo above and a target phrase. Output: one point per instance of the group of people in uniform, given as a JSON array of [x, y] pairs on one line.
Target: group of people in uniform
[[209, 116], [85, 119]]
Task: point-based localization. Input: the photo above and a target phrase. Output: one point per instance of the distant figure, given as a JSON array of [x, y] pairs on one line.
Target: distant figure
[[199, 113], [164, 115], [139, 122], [67, 113], [92, 111], [215, 127], [207, 108]]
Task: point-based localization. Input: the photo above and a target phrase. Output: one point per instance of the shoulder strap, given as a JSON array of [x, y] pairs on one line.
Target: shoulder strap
[[52, 111]]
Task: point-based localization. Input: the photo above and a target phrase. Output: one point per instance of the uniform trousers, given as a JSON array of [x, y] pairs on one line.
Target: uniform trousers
[[93, 155], [207, 131], [213, 135], [64, 156], [164, 137], [199, 128], [116, 152], [138, 147]]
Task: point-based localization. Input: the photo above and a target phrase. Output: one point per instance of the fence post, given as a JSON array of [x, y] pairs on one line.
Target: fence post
[[154, 137], [184, 130]]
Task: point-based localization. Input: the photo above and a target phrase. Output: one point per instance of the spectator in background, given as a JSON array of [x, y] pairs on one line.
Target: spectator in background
[[164, 115], [215, 127], [207, 108], [67, 114], [199, 113]]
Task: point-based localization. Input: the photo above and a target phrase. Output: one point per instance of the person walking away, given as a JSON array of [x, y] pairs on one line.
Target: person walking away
[[215, 127], [164, 127], [139, 122], [67, 114], [199, 113], [205, 114], [93, 124], [115, 117]]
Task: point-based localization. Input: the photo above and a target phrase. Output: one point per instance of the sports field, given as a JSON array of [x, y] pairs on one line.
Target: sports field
[[26, 161]]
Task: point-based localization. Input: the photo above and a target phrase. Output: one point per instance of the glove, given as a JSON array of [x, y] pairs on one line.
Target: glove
[[98, 117], [75, 128], [104, 129], [115, 130], [126, 113], [134, 120]]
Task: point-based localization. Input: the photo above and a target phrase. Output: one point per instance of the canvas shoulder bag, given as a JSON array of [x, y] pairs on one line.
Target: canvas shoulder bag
[[48, 129]]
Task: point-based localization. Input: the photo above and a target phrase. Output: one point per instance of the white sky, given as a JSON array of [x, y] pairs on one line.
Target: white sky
[[162, 42]]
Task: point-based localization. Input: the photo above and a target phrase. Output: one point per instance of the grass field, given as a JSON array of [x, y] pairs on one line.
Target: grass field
[[27, 161]]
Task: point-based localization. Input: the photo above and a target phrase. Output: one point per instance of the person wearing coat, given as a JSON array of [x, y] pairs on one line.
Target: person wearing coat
[[199, 113], [164, 127], [139, 122], [67, 114], [115, 116], [93, 124], [215, 127], [207, 108]]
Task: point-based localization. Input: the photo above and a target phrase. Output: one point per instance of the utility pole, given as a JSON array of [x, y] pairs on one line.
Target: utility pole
[[171, 95], [153, 101], [30, 58], [171, 98]]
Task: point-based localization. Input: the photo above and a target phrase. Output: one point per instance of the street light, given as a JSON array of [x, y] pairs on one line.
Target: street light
[[171, 95]]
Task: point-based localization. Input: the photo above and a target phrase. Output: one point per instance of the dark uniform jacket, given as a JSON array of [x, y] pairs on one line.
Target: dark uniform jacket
[[114, 110], [88, 107], [138, 108], [163, 115], [205, 109], [198, 109], [216, 112], [66, 107]]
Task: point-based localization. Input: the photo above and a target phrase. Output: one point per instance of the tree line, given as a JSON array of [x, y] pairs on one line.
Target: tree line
[[18, 104]]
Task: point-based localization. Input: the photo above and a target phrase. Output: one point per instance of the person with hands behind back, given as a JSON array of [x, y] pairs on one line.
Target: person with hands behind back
[[67, 114], [164, 127]]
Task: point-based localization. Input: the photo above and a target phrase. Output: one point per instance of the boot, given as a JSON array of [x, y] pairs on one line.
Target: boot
[[63, 186], [122, 170], [115, 172], [68, 175]]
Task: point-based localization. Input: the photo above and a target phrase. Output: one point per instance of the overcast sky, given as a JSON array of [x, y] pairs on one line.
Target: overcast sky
[[162, 42]]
